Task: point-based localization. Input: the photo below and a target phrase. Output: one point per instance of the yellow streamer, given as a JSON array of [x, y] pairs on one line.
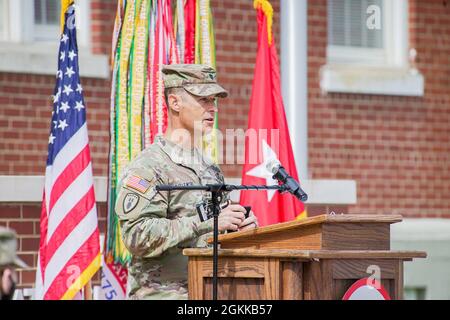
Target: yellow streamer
[[83, 279], [267, 9], [64, 5]]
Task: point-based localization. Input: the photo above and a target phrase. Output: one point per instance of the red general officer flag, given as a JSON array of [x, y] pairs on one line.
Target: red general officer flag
[[268, 135]]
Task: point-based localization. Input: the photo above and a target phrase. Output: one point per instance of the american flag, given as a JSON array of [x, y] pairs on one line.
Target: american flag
[[138, 183], [69, 253]]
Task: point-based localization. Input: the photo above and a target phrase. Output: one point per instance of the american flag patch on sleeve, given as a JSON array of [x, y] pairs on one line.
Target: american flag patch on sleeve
[[138, 183]]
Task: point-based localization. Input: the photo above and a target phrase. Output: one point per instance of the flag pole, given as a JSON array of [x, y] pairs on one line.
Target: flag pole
[[65, 4], [88, 291]]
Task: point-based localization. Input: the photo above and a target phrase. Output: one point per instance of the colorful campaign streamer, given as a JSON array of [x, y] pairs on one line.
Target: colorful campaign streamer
[[144, 39]]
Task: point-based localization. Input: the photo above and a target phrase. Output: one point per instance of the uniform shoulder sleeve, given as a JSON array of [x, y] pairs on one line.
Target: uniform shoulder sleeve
[[136, 191]]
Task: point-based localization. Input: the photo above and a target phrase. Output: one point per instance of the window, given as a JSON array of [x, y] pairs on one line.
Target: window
[[30, 32], [368, 32], [367, 49], [47, 19], [346, 24], [38, 21]]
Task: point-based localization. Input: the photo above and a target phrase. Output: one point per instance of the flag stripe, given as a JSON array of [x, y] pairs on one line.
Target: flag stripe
[[43, 228], [70, 221], [70, 173], [66, 155], [72, 269], [69, 199], [87, 274], [70, 246]]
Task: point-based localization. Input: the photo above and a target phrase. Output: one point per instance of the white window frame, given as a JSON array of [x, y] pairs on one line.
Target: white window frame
[[44, 32], [5, 21], [393, 53], [384, 71]]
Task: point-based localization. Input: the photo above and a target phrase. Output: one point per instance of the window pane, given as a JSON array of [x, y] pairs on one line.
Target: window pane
[[374, 36], [347, 24], [354, 20], [53, 11], [47, 12], [336, 19], [38, 11]]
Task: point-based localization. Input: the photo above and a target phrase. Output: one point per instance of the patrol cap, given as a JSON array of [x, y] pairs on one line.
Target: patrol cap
[[197, 79], [8, 249]]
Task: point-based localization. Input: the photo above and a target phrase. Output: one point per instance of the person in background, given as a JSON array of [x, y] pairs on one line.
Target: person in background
[[9, 261]]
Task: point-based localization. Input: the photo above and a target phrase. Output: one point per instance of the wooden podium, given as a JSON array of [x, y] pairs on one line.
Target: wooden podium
[[315, 258]]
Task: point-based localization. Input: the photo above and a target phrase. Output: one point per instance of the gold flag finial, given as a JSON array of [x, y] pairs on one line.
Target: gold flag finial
[[64, 5], [267, 9]]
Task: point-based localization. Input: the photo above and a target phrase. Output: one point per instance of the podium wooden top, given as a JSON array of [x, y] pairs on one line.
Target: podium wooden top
[[324, 218], [332, 232], [307, 254]]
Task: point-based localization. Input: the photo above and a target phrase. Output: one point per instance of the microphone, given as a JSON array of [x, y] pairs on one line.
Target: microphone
[[280, 174]]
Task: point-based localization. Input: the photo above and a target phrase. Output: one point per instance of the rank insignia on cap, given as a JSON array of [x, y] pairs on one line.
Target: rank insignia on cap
[[138, 183], [130, 202]]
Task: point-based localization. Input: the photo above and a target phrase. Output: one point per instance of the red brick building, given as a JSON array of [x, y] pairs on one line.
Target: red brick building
[[378, 107]]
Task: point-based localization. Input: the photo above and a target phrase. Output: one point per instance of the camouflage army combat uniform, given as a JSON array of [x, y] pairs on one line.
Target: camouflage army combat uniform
[[156, 226]]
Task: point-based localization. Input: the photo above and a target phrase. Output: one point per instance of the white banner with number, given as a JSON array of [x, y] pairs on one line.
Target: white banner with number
[[113, 282]]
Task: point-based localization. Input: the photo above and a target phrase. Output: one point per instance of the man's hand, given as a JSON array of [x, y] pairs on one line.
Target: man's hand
[[8, 282], [250, 223], [231, 217]]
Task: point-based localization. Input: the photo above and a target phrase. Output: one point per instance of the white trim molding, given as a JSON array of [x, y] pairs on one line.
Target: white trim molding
[[371, 80], [431, 235], [36, 58], [29, 189], [340, 192]]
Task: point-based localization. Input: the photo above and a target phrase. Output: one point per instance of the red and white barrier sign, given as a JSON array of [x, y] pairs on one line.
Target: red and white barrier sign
[[366, 289]]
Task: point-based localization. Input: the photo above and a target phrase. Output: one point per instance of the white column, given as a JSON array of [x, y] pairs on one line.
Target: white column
[[294, 67]]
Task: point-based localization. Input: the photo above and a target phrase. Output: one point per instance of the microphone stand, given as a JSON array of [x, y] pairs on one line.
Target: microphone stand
[[216, 192]]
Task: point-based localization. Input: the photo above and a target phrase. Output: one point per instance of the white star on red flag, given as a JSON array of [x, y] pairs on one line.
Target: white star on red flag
[[261, 171]]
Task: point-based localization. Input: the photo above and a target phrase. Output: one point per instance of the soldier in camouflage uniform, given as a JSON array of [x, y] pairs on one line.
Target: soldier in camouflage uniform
[[9, 261], [156, 226]]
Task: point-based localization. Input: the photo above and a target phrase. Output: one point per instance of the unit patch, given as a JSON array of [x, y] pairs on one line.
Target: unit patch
[[130, 202]]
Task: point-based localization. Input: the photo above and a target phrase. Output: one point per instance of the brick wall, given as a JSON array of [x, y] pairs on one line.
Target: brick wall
[[25, 99], [25, 219], [25, 111], [25, 115], [236, 44], [396, 148]]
